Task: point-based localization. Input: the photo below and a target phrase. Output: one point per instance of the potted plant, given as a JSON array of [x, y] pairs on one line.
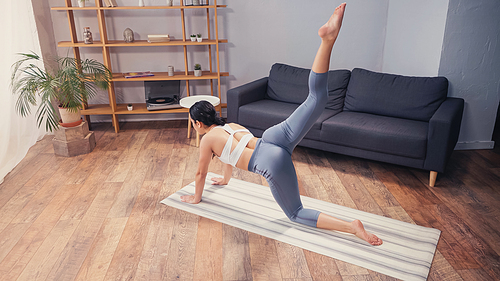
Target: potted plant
[[193, 37], [198, 37], [197, 70], [72, 83], [81, 3], [130, 107]]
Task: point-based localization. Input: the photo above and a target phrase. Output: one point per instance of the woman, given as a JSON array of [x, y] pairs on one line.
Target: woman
[[270, 156]]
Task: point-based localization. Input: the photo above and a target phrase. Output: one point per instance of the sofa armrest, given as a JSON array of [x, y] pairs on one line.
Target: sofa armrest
[[444, 128], [244, 94]]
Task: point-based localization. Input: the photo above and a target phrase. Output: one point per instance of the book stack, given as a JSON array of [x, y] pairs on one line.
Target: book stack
[[110, 3], [137, 74], [158, 38]]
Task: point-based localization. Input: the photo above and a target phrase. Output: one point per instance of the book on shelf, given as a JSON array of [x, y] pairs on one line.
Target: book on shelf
[[110, 3], [152, 38], [137, 74]]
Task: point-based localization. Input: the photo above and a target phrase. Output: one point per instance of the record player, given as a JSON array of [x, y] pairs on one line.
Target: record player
[[162, 94]]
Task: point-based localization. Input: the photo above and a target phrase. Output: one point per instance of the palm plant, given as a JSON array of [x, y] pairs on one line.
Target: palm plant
[[71, 84]]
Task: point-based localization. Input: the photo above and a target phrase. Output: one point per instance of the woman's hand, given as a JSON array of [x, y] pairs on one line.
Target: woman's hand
[[218, 181], [190, 199]]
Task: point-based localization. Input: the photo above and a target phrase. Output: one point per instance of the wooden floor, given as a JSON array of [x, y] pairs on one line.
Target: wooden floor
[[98, 216]]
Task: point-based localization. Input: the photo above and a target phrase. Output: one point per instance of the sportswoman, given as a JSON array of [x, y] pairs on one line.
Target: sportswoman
[[270, 156]]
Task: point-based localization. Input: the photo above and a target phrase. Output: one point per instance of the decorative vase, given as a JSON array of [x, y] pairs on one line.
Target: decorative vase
[[170, 70], [81, 3], [141, 3], [68, 116], [197, 72], [87, 36]]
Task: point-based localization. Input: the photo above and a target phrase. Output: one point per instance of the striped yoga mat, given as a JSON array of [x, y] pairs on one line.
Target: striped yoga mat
[[406, 254]]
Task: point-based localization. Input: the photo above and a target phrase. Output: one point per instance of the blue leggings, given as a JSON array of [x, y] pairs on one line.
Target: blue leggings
[[272, 157]]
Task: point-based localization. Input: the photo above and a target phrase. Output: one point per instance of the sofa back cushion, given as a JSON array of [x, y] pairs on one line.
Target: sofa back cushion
[[290, 84], [415, 98]]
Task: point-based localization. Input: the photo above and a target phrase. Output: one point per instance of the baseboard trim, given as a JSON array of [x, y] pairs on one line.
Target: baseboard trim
[[468, 145], [143, 117]]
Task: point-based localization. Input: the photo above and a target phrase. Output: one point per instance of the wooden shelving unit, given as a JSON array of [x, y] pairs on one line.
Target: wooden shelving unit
[[105, 44]]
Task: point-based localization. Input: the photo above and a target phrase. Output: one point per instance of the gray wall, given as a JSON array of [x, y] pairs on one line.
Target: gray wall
[[471, 61], [414, 37], [265, 32]]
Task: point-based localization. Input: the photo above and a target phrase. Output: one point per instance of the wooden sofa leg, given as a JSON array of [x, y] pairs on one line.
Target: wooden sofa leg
[[432, 180]]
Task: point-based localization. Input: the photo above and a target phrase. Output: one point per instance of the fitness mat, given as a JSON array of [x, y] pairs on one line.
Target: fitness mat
[[407, 251]]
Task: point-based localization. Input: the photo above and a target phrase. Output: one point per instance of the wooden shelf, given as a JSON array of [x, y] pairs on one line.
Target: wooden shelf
[[140, 108], [160, 76], [79, 44], [163, 7], [175, 7], [93, 8], [97, 109], [140, 43], [212, 66]]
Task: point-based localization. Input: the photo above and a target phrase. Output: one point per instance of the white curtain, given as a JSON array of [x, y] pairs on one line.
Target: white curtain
[[18, 35]]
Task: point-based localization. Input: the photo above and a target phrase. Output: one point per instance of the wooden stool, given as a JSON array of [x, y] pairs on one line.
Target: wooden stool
[[73, 141]]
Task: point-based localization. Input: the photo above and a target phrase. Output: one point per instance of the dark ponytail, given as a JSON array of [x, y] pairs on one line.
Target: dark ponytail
[[204, 112]]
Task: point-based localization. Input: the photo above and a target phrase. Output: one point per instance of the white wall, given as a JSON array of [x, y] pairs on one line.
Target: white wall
[[471, 61], [414, 37]]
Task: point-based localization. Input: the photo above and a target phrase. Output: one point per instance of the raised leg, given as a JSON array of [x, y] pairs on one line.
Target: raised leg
[[280, 177], [291, 131], [432, 178], [328, 33]]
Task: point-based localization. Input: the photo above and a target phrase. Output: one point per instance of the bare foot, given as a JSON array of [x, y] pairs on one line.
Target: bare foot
[[330, 30], [359, 231]]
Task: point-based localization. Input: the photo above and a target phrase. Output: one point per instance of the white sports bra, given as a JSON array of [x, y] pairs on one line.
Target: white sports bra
[[229, 157]]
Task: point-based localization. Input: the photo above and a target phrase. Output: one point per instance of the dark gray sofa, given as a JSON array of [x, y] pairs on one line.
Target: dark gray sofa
[[403, 120]]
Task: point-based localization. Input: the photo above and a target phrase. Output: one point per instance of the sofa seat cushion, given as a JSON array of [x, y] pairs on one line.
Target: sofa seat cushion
[[264, 114], [377, 133], [291, 84], [415, 98]]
